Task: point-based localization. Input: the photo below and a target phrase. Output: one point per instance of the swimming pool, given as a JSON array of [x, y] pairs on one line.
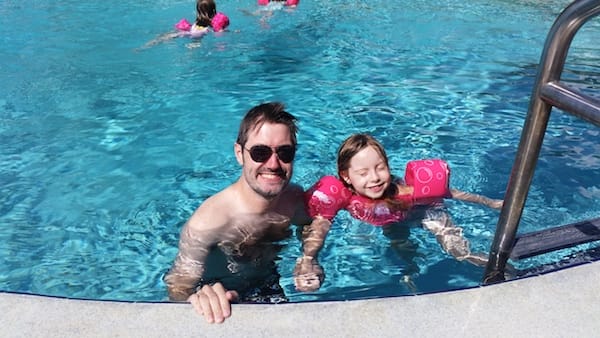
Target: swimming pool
[[108, 148]]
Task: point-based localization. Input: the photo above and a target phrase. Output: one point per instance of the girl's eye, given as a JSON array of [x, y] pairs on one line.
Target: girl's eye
[[362, 173]]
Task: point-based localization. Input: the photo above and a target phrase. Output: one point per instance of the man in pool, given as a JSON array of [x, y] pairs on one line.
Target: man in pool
[[227, 248]]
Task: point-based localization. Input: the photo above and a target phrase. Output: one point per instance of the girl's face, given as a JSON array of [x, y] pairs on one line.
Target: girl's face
[[368, 174]]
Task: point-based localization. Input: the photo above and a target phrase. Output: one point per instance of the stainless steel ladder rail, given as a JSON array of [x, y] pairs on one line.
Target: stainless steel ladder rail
[[548, 91]]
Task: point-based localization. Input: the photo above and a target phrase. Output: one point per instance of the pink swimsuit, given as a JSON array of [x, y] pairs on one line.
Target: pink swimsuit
[[429, 179]]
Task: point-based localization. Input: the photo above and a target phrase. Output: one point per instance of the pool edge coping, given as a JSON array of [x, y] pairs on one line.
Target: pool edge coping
[[535, 306]]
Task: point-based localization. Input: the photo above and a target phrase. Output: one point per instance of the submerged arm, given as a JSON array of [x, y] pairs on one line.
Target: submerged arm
[[308, 274], [475, 198], [451, 237], [188, 267], [313, 236]]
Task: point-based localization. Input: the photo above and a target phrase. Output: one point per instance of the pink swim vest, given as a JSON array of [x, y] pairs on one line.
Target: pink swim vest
[[429, 179]]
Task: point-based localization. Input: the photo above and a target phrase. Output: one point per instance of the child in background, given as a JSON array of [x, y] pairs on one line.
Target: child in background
[[368, 191], [268, 7], [291, 3], [207, 17]]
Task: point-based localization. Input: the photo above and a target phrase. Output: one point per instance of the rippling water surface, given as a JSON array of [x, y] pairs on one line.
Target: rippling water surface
[[107, 147]]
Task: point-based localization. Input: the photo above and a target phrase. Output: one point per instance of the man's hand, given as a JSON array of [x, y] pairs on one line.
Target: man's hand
[[308, 274], [213, 302]]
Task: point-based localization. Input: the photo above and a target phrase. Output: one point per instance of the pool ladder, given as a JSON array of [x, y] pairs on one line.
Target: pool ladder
[[548, 92]]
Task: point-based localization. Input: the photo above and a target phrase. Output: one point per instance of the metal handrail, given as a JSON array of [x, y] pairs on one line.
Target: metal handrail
[[548, 91]]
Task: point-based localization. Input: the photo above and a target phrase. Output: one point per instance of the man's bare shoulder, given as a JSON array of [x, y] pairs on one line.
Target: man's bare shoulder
[[214, 212]]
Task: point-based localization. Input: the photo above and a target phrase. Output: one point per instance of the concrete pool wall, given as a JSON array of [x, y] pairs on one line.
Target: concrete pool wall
[[564, 303]]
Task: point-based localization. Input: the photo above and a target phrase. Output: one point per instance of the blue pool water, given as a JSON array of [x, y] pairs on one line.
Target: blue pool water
[[108, 147]]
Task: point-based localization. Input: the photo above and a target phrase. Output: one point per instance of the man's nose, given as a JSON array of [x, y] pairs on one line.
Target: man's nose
[[273, 161]]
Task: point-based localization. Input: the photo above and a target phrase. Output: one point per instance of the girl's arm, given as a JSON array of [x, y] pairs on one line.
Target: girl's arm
[[451, 238], [313, 236], [475, 198], [322, 201], [308, 274]]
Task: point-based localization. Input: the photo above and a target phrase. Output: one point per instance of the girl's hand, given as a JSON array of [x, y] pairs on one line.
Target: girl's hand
[[496, 204], [308, 274]]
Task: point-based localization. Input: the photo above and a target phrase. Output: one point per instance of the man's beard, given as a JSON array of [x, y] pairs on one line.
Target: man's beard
[[271, 194]]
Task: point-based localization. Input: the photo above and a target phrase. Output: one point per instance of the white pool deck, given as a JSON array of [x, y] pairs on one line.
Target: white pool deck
[[564, 303]]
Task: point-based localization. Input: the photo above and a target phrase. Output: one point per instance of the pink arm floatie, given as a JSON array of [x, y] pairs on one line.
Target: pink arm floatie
[[187, 29], [219, 22], [430, 180], [263, 2], [327, 197], [183, 25]]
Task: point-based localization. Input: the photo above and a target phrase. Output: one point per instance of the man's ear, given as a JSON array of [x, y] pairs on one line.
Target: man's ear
[[237, 149]]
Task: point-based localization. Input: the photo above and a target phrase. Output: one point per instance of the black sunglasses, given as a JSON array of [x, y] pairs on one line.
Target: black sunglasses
[[262, 153]]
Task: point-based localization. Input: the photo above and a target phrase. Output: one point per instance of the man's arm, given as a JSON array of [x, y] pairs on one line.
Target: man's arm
[[188, 267], [212, 301], [196, 239]]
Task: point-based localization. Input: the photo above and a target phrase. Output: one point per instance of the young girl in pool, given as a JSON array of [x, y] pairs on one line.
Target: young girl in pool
[[207, 18], [368, 191]]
